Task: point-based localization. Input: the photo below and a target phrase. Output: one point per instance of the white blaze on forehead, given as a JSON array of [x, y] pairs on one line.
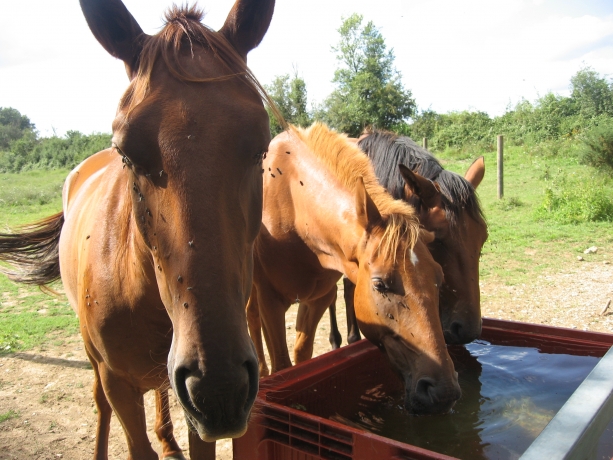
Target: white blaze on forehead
[[414, 258]]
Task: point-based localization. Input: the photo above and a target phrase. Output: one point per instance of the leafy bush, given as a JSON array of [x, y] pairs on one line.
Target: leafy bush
[[576, 201], [425, 124], [465, 131], [30, 152], [597, 146], [552, 119]]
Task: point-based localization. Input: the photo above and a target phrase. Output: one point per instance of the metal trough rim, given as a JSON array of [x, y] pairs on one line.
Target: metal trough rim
[[574, 431]]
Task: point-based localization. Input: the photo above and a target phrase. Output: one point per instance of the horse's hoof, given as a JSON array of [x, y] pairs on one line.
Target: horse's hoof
[[175, 457]]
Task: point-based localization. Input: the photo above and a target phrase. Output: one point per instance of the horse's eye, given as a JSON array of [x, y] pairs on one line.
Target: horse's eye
[[379, 285]]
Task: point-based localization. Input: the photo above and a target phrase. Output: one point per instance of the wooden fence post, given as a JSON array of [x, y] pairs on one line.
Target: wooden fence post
[[425, 143], [500, 167]]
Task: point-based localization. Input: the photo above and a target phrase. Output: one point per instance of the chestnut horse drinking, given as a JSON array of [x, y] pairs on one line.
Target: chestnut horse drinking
[[154, 244], [449, 208], [326, 215]]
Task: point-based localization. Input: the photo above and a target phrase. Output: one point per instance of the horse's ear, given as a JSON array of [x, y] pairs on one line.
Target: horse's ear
[[427, 191], [426, 236], [475, 172], [116, 30], [247, 24], [366, 209]]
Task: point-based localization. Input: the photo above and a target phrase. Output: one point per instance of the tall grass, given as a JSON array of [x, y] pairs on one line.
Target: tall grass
[[30, 195]]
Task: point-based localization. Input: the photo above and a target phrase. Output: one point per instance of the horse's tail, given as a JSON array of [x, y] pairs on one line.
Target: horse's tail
[[33, 251]]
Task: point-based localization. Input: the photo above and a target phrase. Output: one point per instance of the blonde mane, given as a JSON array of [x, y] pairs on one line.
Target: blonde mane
[[348, 163], [184, 30]]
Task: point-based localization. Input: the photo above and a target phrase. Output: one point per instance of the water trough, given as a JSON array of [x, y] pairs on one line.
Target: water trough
[[309, 411]]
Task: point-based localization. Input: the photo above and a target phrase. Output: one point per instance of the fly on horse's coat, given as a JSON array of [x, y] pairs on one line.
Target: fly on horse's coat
[[448, 207], [154, 243], [326, 216]]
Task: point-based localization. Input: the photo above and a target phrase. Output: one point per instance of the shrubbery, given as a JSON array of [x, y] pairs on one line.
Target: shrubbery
[[580, 125], [572, 201], [597, 146], [23, 149], [550, 125]]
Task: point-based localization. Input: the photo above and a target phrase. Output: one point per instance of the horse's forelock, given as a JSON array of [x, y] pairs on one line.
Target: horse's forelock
[[183, 26], [184, 13]]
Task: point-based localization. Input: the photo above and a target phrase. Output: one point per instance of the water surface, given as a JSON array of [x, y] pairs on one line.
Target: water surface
[[509, 394]]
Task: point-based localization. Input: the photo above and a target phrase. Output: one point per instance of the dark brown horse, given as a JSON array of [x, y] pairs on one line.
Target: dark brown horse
[[154, 244], [447, 206], [326, 215]]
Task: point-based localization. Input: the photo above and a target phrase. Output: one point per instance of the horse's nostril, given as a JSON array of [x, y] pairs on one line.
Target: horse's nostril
[[425, 390], [180, 387], [456, 329], [254, 379], [455, 333]]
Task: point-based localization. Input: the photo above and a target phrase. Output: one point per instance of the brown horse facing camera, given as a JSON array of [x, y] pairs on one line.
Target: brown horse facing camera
[[448, 207], [154, 244], [326, 215]]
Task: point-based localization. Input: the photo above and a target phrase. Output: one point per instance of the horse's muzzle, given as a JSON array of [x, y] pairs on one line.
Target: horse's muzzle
[[217, 404], [462, 328], [431, 397]]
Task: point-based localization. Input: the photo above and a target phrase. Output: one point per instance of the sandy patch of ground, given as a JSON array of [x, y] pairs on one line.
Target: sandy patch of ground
[[50, 390]]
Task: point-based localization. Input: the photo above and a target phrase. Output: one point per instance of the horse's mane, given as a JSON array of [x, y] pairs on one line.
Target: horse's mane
[[387, 150], [348, 163], [184, 30]]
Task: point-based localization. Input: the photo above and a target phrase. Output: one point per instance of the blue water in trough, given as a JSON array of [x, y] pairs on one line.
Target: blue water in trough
[[509, 394]]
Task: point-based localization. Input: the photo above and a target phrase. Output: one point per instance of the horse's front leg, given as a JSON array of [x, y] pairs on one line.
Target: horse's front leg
[[309, 316], [128, 404], [272, 313], [335, 337], [164, 427], [353, 331], [101, 449], [255, 331], [199, 449]]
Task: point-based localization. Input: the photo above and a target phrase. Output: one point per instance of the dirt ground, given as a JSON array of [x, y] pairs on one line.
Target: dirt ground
[[50, 390]]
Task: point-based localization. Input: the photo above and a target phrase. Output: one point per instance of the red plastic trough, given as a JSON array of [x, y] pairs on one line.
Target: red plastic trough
[[279, 430]]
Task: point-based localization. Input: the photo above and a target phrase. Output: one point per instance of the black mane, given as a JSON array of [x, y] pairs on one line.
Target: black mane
[[387, 150]]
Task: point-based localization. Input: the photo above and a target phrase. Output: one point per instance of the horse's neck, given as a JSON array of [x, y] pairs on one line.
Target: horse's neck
[[329, 235], [325, 220]]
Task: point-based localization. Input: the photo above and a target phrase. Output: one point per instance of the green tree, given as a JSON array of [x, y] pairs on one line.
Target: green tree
[[13, 126], [290, 96], [369, 90], [592, 94]]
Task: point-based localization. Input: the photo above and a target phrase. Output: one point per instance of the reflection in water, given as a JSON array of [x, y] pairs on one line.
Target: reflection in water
[[509, 394]]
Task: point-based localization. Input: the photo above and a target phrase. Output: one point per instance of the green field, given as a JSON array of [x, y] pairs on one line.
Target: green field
[[28, 316], [520, 247]]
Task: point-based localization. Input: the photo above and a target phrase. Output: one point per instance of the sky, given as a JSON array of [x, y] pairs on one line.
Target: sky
[[453, 55]]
